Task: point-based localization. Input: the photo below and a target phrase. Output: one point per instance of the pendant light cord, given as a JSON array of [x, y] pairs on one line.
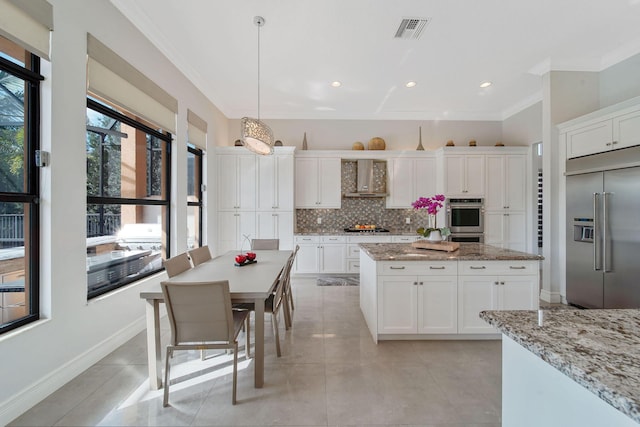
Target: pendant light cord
[[259, 71]]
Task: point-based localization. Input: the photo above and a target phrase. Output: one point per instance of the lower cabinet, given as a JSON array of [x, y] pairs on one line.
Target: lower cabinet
[[276, 225], [232, 229], [321, 254], [410, 303], [494, 285]]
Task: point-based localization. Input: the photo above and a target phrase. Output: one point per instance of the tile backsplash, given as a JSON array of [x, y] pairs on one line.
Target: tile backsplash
[[359, 211]]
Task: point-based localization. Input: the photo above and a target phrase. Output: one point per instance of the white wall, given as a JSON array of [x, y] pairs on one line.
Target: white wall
[[620, 82], [74, 333], [398, 134], [525, 127]]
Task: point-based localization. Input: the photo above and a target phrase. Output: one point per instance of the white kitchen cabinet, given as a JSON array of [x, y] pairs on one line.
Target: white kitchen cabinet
[[232, 227], [603, 131], [275, 183], [506, 230], [464, 175], [321, 254], [494, 285], [410, 178], [405, 239], [506, 182], [275, 225], [236, 182], [317, 182], [418, 304], [353, 248]]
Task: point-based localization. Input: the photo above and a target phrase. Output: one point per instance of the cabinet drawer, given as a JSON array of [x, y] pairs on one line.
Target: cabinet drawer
[[333, 239], [486, 268], [404, 239], [369, 239], [353, 266], [307, 239], [353, 251], [422, 268]]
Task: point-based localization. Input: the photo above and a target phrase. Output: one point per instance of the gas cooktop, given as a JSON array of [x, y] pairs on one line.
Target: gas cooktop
[[366, 230]]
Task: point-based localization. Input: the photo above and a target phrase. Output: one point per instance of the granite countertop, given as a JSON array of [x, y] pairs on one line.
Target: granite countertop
[[467, 251], [598, 349]]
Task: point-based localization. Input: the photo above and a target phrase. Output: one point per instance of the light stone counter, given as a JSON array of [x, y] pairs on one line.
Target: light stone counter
[[598, 349], [467, 251]]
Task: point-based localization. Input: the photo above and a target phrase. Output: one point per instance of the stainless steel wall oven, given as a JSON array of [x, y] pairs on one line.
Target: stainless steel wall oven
[[465, 215]]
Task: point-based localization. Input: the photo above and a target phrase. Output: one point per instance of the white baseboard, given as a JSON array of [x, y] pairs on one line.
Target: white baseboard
[[550, 297], [21, 402]]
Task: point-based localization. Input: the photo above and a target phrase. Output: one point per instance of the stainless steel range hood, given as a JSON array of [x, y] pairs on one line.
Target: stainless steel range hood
[[365, 180]]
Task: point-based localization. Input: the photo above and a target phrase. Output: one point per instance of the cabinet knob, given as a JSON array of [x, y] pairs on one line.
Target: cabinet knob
[[421, 283], [356, 265], [482, 267], [521, 267], [608, 144], [502, 283], [396, 268], [495, 283], [415, 283], [614, 142], [436, 268]]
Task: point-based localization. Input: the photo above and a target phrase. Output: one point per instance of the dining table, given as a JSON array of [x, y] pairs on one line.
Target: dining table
[[248, 283]]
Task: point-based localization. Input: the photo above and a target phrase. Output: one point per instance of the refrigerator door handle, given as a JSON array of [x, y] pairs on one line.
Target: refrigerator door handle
[[606, 249], [597, 255]]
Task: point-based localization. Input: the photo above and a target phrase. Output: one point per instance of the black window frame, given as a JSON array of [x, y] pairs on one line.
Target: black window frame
[[31, 196], [167, 138], [198, 157]]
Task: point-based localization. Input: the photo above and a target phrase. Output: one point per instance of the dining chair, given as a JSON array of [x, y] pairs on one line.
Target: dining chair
[[177, 264], [200, 255], [287, 293], [257, 244], [272, 305], [201, 317]]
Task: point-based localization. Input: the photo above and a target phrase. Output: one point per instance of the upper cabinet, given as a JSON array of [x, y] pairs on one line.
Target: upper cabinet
[[410, 178], [611, 128], [317, 182], [275, 182], [236, 181], [506, 182], [464, 175]]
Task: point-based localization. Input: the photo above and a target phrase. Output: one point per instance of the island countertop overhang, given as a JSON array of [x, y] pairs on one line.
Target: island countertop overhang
[[597, 349], [466, 252]]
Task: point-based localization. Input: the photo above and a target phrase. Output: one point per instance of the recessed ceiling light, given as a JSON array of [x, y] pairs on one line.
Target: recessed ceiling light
[[411, 84], [485, 84], [336, 84]]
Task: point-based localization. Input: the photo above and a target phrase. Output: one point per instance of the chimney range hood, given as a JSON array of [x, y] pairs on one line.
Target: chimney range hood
[[365, 180]]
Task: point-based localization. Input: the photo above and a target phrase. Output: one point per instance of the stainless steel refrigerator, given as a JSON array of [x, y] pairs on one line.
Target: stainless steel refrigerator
[[603, 230]]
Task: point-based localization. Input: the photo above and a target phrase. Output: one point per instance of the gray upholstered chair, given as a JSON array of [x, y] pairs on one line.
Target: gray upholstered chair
[[201, 317], [200, 255], [257, 244], [177, 264]]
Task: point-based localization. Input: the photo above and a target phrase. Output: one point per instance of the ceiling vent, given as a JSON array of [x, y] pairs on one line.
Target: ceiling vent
[[411, 28]]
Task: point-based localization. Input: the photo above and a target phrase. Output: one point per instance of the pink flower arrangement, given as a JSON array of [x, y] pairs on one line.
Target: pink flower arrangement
[[431, 204]]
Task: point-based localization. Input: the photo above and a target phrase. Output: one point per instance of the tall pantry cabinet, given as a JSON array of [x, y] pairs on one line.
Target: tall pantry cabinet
[[254, 197]]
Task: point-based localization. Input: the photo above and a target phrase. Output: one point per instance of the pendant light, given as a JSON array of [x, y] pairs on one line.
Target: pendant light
[[255, 135]]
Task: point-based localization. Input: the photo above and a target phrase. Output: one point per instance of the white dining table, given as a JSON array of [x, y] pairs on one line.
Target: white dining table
[[249, 283]]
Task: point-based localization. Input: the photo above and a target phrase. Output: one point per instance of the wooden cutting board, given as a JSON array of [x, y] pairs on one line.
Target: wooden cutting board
[[436, 246]]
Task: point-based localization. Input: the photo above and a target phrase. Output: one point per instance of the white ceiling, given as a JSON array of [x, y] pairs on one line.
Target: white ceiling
[[305, 45]]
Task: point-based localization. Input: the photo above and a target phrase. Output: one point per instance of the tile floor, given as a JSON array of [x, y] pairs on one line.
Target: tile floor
[[330, 373]]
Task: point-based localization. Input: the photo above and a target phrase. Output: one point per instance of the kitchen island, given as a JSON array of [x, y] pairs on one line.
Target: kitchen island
[[410, 293], [572, 368]]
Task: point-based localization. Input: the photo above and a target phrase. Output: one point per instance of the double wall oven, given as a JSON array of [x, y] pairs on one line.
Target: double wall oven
[[465, 219]]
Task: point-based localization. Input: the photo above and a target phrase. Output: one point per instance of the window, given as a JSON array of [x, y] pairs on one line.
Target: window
[[128, 186], [19, 185], [194, 197]]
